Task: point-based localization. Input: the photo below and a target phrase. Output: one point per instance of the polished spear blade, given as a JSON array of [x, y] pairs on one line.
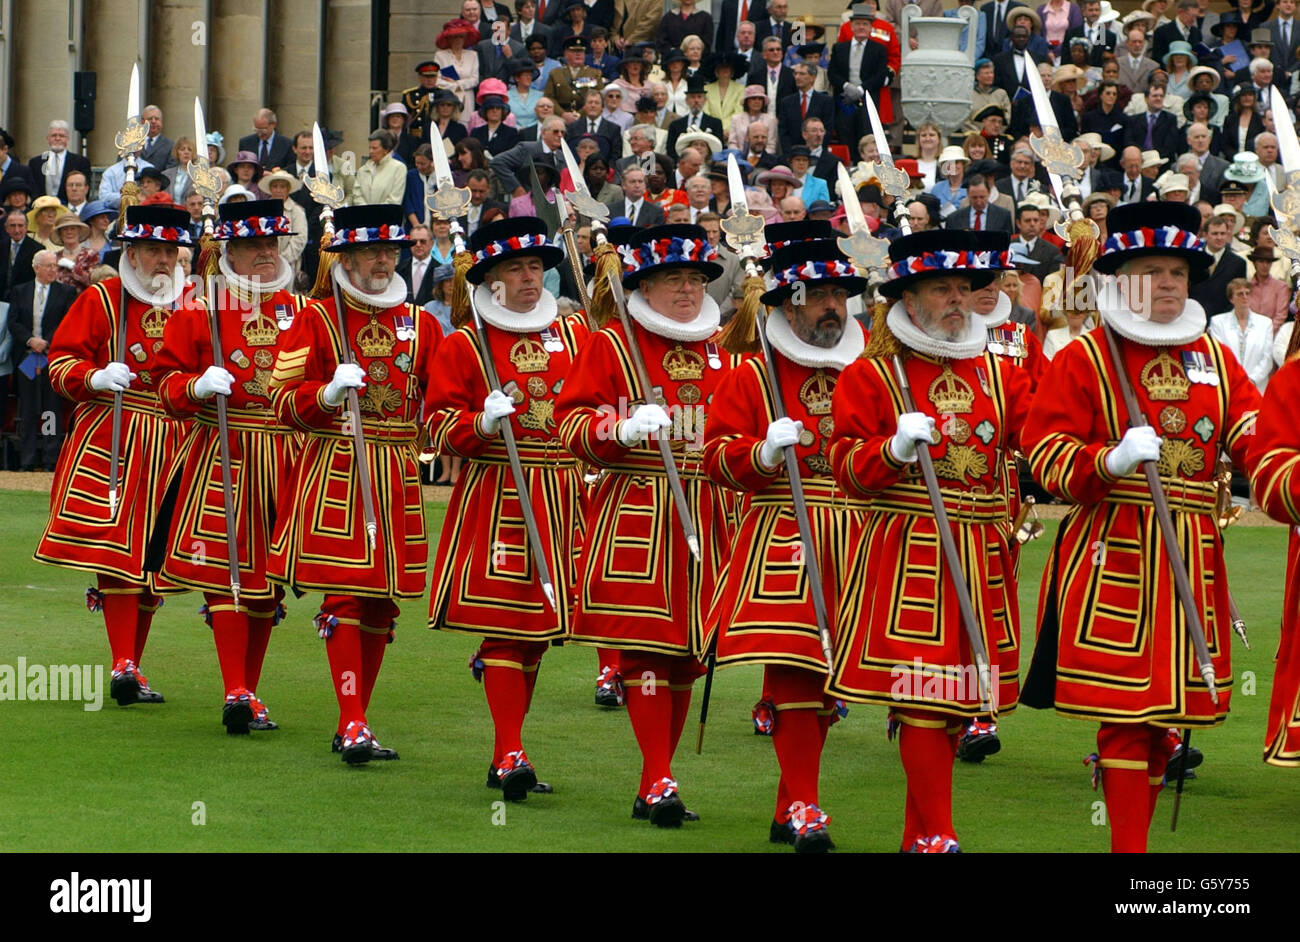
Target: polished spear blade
[[318, 152], [133, 95], [200, 130], [739, 203]]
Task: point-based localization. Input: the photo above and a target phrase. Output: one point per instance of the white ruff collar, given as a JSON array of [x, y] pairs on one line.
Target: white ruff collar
[[783, 338], [543, 315], [255, 287], [1000, 314], [140, 291], [703, 327], [392, 296], [914, 338], [1184, 328]]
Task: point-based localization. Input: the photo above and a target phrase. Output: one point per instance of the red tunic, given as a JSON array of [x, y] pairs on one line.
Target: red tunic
[[1017, 344], [261, 447], [639, 587], [1123, 653], [900, 625], [763, 606], [320, 540], [1275, 450], [81, 533], [484, 580]]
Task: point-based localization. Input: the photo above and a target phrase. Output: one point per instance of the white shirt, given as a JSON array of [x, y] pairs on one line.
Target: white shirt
[[1252, 347], [633, 208]]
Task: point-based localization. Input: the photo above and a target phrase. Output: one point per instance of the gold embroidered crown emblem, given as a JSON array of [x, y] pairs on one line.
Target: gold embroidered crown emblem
[[950, 393], [529, 355], [154, 321], [1164, 378], [376, 340], [683, 365], [260, 330], [815, 393]]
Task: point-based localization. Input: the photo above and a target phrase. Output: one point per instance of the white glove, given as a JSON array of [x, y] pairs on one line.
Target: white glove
[[496, 407], [115, 377], [780, 433], [1139, 444], [913, 427], [852, 93], [213, 380], [645, 419], [346, 376]]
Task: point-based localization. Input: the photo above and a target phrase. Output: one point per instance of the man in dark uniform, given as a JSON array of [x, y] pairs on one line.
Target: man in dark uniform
[[419, 100], [992, 121]]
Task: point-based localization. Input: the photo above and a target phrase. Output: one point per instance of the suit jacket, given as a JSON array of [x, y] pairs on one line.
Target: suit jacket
[[22, 268], [1145, 188], [707, 123], [1107, 44], [492, 64], [726, 22], [278, 154], [422, 293], [1004, 71], [1165, 136], [1046, 257], [58, 301], [763, 29], [1136, 79], [1284, 58], [610, 134], [160, 154], [784, 80], [1169, 33], [824, 167], [872, 76], [539, 29], [1023, 115], [995, 29], [789, 120], [71, 162], [511, 166], [1212, 291], [506, 138], [487, 204], [996, 219], [1212, 172], [649, 214]]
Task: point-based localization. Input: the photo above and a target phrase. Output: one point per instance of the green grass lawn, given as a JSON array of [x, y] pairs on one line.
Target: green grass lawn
[[128, 779]]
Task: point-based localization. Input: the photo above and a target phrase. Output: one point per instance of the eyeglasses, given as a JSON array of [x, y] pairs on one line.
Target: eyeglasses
[[679, 279]]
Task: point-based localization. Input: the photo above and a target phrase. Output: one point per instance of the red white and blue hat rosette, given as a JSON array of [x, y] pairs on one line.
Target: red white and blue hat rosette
[[252, 220], [936, 253], [665, 248], [521, 237], [1144, 229]]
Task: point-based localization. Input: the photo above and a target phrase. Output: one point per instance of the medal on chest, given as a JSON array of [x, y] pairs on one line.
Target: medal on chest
[[284, 316], [551, 340], [1164, 380], [405, 327], [1007, 340], [1199, 369]]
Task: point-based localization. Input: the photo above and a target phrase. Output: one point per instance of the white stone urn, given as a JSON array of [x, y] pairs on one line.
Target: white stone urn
[[937, 78]]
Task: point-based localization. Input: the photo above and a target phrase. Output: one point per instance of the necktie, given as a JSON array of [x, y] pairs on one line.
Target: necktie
[[979, 217], [1020, 190], [13, 257], [262, 158], [418, 274], [1149, 144], [591, 126], [1131, 195], [541, 9], [803, 106], [1286, 34], [771, 76], [38, 310], [695, 120], [744, 10]]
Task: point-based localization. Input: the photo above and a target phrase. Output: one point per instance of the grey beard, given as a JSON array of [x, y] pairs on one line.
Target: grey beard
[[375, 285], [157, 284], [818, 336]]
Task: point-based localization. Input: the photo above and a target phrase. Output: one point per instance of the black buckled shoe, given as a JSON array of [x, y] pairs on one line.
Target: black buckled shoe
[[261, 723], [237, 714], [357, 744], [780, 833], [541, 788], [641, 811], [380, 753], [978, 741], [125, 686]]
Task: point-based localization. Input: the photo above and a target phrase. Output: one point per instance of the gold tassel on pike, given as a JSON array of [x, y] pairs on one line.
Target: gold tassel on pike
[[883, 343], [461, 263], [130, 197], [740, 333], [323, 286], [603, 308], [209, 260]]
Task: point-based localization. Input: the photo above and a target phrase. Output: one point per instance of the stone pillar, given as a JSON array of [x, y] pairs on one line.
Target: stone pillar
[[292, 67], [238, 67], [43, 66], [347, 74], [177, 37]]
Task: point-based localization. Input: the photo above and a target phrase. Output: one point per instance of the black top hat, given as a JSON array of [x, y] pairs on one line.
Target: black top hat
[[521, 237], [156, 223], [789, 267], [780, 234], [695, 83], [931, 254], [1141, 229], [373, 224], [252, 220], [665, 248]]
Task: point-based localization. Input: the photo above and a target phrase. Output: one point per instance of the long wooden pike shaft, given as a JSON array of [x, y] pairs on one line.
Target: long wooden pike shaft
[[115, 452], [223, 443], [1169, 535], [665, 450], [810, 560], [956, 574], [516, 467], [359, 454]]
